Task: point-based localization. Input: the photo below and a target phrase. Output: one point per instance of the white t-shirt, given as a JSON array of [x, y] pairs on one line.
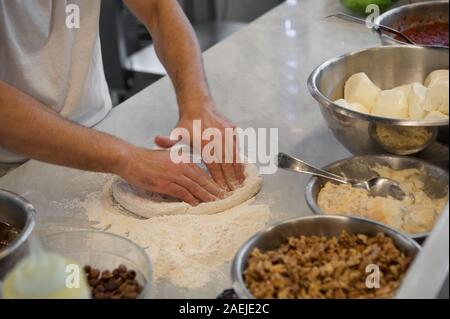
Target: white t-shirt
[[61, 67]]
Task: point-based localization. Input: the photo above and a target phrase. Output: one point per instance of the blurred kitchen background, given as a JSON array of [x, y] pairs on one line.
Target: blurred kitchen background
[[129, 58]]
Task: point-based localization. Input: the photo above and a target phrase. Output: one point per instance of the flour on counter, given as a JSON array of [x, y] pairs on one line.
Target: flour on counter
[[184, 249]]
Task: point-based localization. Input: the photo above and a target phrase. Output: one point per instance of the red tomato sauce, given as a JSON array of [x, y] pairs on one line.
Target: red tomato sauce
[[429, 34]]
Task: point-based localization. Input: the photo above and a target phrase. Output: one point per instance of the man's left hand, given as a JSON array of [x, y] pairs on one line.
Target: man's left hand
[[227, 175]]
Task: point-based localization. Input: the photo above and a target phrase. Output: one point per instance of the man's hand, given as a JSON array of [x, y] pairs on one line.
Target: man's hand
[[178, 50], [154, 171], [227, 175]]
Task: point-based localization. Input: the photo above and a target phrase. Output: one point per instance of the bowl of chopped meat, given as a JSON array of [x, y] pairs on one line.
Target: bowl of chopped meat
[[323, 257]]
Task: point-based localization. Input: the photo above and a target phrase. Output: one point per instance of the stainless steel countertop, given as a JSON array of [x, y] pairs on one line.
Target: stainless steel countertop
[[258, 79]]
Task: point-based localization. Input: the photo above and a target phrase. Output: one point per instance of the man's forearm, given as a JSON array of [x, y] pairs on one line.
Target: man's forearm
[[179, 51], [31, 129], [177, 48]]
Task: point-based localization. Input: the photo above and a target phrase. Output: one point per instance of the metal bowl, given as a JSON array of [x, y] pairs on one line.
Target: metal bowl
[[388, 67], [410, 15], [435, 178], [275, 235], [19, 213]]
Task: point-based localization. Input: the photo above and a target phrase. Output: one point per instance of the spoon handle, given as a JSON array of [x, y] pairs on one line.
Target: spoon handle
[[348, 17], [294, 164]]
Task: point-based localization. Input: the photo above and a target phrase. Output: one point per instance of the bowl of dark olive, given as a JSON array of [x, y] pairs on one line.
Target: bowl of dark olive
[[17, 219]]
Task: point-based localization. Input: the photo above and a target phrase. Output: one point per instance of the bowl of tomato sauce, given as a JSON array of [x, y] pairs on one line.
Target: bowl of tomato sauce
[[426, 23]]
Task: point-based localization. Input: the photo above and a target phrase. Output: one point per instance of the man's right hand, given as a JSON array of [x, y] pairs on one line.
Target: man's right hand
[[153, 170]]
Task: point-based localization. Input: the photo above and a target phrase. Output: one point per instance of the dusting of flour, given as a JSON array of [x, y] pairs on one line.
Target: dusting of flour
[[184, 249]]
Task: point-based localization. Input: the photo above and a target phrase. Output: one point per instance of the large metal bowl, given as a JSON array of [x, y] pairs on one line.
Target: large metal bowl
[[435, 179], [19, 213], [388, 67], [273, 236], [407, 16]]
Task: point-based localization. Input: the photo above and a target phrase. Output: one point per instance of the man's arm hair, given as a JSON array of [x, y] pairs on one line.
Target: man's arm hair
[[29, 128]]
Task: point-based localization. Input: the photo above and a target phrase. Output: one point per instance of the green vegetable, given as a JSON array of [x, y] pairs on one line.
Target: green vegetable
[[359, 6]]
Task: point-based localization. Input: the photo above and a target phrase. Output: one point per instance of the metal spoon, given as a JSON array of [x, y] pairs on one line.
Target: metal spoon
[[374, 25], [378, 186]]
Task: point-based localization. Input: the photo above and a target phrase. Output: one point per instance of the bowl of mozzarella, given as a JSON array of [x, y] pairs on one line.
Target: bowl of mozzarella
[[392, 99]]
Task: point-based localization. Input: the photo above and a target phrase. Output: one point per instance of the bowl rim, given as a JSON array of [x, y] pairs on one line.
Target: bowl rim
[[239, 285], [381, 17], [325, 101], [148, 284], [27, 229], [313, 205]]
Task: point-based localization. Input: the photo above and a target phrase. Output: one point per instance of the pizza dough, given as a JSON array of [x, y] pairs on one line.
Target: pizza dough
[[147, 204]]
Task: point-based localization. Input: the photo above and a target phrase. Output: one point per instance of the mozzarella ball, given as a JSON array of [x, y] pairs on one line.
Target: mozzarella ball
[[437, 98], [416, 97], [360, 89], [436, 77], [357, 107], [404, 88], [436, 116], [391, 103], [341, 102]]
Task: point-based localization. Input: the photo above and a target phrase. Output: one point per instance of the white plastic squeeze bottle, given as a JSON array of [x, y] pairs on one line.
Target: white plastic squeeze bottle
[[45, 275]]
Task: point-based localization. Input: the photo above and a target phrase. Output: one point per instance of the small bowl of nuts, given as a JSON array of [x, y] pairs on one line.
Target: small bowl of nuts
[[323, 257], [115, 267]]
